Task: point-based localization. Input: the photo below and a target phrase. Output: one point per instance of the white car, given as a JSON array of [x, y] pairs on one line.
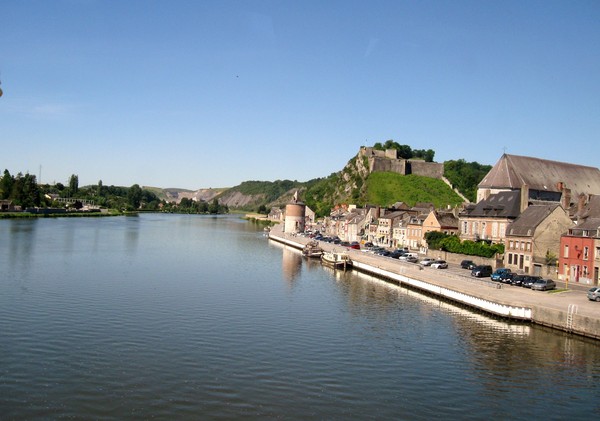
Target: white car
[[426, 261], [439, 264]]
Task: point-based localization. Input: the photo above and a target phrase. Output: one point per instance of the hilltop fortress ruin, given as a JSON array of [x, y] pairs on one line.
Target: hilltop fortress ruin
[[388, 160]]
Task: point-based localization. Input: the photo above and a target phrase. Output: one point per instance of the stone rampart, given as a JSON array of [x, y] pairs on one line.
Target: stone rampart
[[384, 161]]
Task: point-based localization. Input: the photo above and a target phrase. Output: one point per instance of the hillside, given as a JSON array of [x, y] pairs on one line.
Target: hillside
[[175, 194], [386, 188], [355, 184]]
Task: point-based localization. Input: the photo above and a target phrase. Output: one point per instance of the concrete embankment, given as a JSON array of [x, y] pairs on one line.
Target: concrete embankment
[[569, 311]]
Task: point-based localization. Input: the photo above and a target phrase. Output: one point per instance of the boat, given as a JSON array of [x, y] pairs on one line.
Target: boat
[[337, 259], [312, 249]]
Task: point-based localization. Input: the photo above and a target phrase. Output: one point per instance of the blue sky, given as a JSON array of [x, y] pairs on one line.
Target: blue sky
[[198, 94]]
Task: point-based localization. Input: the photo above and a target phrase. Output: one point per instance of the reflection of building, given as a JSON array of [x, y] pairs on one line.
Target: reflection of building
[[291, 263]]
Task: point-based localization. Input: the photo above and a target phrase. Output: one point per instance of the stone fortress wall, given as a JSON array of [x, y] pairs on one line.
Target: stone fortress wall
[[388, 161]]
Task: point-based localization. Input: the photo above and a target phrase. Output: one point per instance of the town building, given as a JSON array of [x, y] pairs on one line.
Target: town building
[[487, 220], [579, 259], [541, 178], [531, 240]]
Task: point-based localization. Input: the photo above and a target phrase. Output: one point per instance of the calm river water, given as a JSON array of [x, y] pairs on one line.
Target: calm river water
[[197, 317]]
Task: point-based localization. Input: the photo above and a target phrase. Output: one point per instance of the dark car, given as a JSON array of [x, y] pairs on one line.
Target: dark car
[[518, 280], [481, 271], [467, 264], [499, 274], [396, 254], [507, 278], [354, 245], [543, 285], [527, 283]]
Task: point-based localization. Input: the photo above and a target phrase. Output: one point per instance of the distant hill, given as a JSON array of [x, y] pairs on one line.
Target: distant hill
[[176, 194], [357, 183]]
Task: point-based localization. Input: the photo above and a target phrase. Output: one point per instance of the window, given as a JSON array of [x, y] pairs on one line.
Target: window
[[586, 252], [510, 244], [528, 246], [566, 253], [465, 227]]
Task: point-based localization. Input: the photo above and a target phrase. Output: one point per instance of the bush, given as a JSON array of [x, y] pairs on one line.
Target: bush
[[451, 243]]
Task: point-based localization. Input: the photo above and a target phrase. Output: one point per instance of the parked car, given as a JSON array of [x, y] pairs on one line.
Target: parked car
[[543, 285], [517, 280], [396, 254], [410, 259], [481, 271], [467, 264], [507, 278], [499, 273], [594, 294], [426, 261], [439, 264], [529, 281], [354, 245], [406, 256]]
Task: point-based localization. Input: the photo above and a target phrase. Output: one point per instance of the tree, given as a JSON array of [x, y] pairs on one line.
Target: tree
[[6, 185], [73, 184], [214, 206], [134, 196]]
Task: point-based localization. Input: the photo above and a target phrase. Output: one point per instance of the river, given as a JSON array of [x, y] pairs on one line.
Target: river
[[201, 317]]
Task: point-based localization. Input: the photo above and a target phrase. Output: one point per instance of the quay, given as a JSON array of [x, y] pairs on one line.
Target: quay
[[568, 310]]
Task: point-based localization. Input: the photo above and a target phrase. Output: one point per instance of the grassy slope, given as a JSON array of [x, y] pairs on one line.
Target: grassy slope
[[387, 188]]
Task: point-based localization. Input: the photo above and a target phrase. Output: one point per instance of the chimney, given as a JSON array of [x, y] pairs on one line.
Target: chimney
[[581, 203], [524, 197]]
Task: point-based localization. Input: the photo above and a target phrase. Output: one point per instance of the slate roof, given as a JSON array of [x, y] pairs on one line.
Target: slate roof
[[512, 171], [591, 226], [447, 220], [506, 204], [530, 218], [591, 209], [393, 215]]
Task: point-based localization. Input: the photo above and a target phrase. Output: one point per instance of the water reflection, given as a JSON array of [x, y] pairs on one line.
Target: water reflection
[[20, 239], [291, 261], [500, 350]]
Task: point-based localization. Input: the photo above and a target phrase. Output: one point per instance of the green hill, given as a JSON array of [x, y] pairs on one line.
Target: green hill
[[387, 188]]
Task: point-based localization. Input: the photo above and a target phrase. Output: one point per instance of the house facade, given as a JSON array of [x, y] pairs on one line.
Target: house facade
[[531, 240], [445, 222], [488, 219], [579, 259]]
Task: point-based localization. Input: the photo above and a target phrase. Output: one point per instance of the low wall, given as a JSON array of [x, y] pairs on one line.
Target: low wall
[[573, 323], [502, 310]]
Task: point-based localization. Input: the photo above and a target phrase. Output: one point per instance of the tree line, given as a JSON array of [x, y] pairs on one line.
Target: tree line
[[24, 191]]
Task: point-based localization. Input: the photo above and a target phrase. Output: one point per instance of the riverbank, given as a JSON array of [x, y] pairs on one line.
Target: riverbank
[[568, 310], [44, 213]]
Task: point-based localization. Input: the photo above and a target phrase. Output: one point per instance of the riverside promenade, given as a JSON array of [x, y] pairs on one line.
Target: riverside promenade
[[568, 310]]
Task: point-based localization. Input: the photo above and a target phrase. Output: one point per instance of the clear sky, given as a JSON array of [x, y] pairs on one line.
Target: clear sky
[[197, 94]]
